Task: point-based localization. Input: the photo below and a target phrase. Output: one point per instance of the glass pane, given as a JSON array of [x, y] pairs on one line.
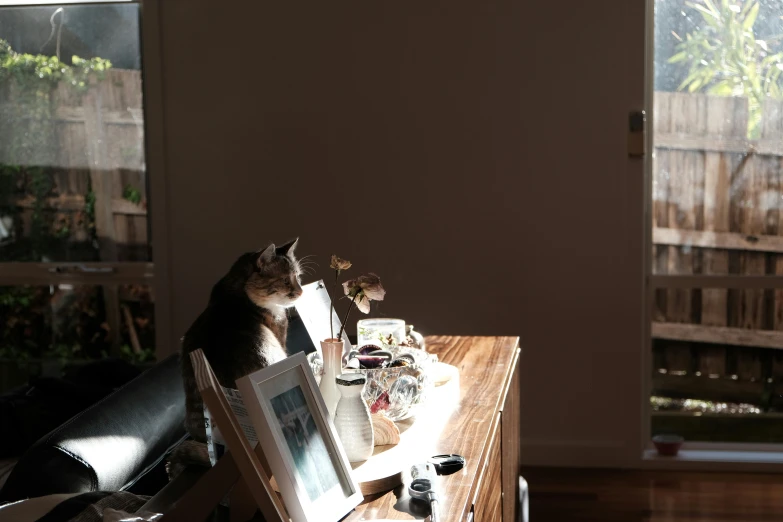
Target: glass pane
[[73, 181], [718, 137], [717, 372], [44, 328]]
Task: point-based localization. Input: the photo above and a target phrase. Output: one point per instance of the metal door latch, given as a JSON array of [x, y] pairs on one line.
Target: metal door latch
[[637, 134]]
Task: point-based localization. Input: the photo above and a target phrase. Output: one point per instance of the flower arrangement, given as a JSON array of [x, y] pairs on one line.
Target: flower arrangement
[[361, 290]]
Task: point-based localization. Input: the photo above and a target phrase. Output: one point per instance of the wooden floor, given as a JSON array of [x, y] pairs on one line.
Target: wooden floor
[[652, 496]]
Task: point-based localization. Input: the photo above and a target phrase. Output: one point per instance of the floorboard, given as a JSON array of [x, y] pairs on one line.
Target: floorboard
[[653, 496]]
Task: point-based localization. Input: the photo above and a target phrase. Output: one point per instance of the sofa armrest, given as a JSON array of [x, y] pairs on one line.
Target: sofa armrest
[[108, 446]]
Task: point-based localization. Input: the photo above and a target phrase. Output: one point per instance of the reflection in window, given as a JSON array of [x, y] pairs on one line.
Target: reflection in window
[[72, 168], [73, 187]]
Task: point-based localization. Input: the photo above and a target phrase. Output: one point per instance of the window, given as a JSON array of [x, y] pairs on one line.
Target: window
[[75, 251]]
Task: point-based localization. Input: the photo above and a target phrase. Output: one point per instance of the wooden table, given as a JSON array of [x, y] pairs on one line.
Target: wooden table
[[482, 426], [481, 423]]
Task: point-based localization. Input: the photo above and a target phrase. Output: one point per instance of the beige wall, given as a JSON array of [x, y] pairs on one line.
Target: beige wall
[[471, 153]]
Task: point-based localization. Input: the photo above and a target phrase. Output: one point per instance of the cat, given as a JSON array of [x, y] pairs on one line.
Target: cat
[[243, 329]]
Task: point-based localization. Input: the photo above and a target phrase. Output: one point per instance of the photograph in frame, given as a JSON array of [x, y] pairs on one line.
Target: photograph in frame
[[308, 449], [299, 441]]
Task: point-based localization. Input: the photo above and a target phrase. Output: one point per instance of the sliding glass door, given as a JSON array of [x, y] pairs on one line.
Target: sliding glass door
[[717, 221]]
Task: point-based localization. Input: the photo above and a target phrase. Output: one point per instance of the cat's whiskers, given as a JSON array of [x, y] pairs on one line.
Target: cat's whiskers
[[306, 266]]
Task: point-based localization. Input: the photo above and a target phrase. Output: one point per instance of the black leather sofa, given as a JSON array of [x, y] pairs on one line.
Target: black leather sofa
[[121, 442], [117, 444]]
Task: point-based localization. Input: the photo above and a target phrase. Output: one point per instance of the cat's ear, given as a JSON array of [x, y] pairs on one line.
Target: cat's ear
[[266, 256], [288, 248]]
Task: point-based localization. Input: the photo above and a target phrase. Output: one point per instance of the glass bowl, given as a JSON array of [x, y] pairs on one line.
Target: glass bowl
[[396, 392], [380, 332]]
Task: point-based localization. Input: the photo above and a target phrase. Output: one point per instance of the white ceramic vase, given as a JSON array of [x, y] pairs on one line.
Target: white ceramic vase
[[332, 354], [352, 419]]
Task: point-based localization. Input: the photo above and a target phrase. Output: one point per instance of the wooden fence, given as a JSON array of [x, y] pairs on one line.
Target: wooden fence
[[95, 155], [717, 210], [98, 143]]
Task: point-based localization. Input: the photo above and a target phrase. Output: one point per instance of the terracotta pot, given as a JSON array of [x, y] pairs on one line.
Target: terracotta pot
[[668, 445]]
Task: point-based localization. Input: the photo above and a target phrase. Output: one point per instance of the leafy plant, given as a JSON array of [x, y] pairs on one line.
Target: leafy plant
[[32, 72], [146, 355], [725, 58], [132, 194]]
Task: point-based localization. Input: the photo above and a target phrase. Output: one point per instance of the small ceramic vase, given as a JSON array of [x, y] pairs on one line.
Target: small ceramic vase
[[332, 354], [352, 419]]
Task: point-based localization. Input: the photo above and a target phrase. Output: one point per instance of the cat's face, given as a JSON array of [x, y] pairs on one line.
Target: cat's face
[[274, 281]]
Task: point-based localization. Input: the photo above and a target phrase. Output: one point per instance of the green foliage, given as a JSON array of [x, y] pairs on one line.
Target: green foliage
[[132, 194], [23, 331], [15, 297], [726, 59], [146, 355], [64, 352], [36, 73]]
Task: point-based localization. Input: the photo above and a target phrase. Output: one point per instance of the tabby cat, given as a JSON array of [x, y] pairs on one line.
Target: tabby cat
[[244, 326]]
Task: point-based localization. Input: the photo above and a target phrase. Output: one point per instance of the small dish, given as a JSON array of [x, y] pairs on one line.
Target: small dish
[[668, 445]]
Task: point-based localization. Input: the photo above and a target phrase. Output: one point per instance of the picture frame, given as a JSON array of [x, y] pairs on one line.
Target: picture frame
[[244, 468], [294, 430]]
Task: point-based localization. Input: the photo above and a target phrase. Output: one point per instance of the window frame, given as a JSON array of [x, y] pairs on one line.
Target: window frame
[[150, 273]]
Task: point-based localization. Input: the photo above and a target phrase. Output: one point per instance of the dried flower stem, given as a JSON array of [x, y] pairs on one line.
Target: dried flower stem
[[345, 319], [331, 307]]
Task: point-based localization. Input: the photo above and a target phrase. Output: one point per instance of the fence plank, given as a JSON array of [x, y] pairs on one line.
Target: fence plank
[[75, 202], [71, 114], [660, 215], [716, 221], [104, 218], [679, 204], [750, 307], [738, 145], [677, 356], [717, 240], [713, 389], [772, 128], [101, 186], [686, 170], [718, 335]]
